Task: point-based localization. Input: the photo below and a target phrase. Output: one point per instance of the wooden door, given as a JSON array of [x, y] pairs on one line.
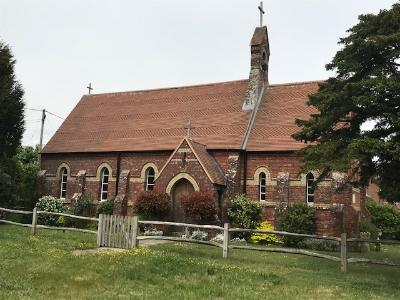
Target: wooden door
[[180, 189]]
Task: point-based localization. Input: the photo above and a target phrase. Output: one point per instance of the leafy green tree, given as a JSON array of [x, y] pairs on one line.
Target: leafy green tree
[[358, 123], [11, 125], [27, 163]]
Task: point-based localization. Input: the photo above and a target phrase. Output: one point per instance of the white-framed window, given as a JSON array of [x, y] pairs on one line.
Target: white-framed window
[[150, 176], [63, 182], [262, 186], [310, 189], [104, 176]]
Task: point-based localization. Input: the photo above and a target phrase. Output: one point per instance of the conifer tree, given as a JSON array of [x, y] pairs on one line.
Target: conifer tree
[[358, 124], [11, 124]]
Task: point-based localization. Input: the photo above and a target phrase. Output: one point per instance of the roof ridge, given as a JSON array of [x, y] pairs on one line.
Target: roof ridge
[[169, 88], [296, 83]]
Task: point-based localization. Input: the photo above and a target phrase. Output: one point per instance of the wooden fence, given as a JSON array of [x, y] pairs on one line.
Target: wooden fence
[[117, 231], [123, 232]]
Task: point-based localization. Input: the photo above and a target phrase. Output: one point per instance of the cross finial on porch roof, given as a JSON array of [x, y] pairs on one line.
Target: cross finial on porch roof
[[188, 127]]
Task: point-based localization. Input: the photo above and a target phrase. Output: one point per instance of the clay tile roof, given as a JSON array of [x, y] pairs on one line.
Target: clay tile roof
[[208, 162], [155, 119], [275, 119]]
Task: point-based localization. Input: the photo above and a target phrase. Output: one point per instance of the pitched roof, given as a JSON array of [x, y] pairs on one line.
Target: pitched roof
[[207, 162], [154, 119], [274, 123]]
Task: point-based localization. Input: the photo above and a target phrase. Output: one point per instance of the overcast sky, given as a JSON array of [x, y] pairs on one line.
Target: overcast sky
[[61, 46]]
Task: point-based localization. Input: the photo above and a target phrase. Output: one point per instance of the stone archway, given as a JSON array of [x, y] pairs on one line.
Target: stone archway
[[180, 189]]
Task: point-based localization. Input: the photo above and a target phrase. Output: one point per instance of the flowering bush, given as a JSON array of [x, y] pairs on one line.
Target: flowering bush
[[199, 235], [153, 232], [153, 205], [219, 238], [265, 238], [51, 204], [200, 207], [244, 213]]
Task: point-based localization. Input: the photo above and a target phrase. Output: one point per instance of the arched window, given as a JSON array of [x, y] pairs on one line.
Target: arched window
[[310, 189], [150, 176], [63, 182], [262, 186], [104, 175]]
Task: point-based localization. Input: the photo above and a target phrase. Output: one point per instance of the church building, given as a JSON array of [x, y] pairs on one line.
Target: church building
[[226, 138]]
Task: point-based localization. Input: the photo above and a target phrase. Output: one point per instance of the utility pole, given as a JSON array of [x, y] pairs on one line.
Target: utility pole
[[41, 136]]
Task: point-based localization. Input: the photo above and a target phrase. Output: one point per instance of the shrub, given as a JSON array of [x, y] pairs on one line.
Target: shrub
[[244, 213], [219, 238], [199, 235], [51, 204], [320, 245], [82, 206], [298, 218], [386, 217], [105, 207], [200, 207], [153, 232], [265, 238], [370, 228], [153, 205]]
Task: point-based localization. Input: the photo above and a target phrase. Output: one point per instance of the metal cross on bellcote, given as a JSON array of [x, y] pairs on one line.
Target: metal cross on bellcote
[[262, 12]]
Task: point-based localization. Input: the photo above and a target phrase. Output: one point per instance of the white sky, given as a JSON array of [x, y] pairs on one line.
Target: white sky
[[61, 46]]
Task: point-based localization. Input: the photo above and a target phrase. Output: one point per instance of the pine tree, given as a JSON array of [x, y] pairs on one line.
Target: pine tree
[[11, 124], [358, 124]]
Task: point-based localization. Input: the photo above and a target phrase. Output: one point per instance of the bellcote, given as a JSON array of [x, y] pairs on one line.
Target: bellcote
[[258, 78]]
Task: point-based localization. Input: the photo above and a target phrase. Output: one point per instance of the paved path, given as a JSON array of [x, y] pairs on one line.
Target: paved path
[[143, 243]]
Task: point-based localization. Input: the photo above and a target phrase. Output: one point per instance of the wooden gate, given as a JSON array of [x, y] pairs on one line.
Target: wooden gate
[[117, 231]]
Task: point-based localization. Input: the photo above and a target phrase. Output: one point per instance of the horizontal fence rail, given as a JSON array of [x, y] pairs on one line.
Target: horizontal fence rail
[[182, 225], [320, 237], [123, 232], [16, 211]]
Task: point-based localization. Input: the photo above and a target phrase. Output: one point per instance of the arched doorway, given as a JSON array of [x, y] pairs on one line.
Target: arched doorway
[[180, 189]]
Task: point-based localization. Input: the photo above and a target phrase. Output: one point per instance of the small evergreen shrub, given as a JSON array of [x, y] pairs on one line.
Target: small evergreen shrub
[[51, 204], [153, 205], [105, 207], [265, 238], [298, 218], [244, 213], [386, 217], [82, 206], [368, 227], [200, 207]]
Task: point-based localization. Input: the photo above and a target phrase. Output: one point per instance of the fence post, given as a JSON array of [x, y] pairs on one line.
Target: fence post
[[343, 253], [100, 230], [225, 244], [34, 221], [135, 232]]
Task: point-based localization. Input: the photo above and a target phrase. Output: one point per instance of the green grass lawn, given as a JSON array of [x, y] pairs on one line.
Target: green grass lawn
[[43, 267]]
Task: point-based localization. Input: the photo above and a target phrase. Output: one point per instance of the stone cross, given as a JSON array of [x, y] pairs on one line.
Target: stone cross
[[89, 87], [262, 12], [188, 127]]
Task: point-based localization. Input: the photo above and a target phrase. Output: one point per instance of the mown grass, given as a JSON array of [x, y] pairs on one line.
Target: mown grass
[[43, 267]]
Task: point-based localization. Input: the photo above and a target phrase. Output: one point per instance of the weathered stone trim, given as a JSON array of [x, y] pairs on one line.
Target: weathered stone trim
[[181, 176], [104, 164], [256, 177], [145, 167], [63, 165]]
